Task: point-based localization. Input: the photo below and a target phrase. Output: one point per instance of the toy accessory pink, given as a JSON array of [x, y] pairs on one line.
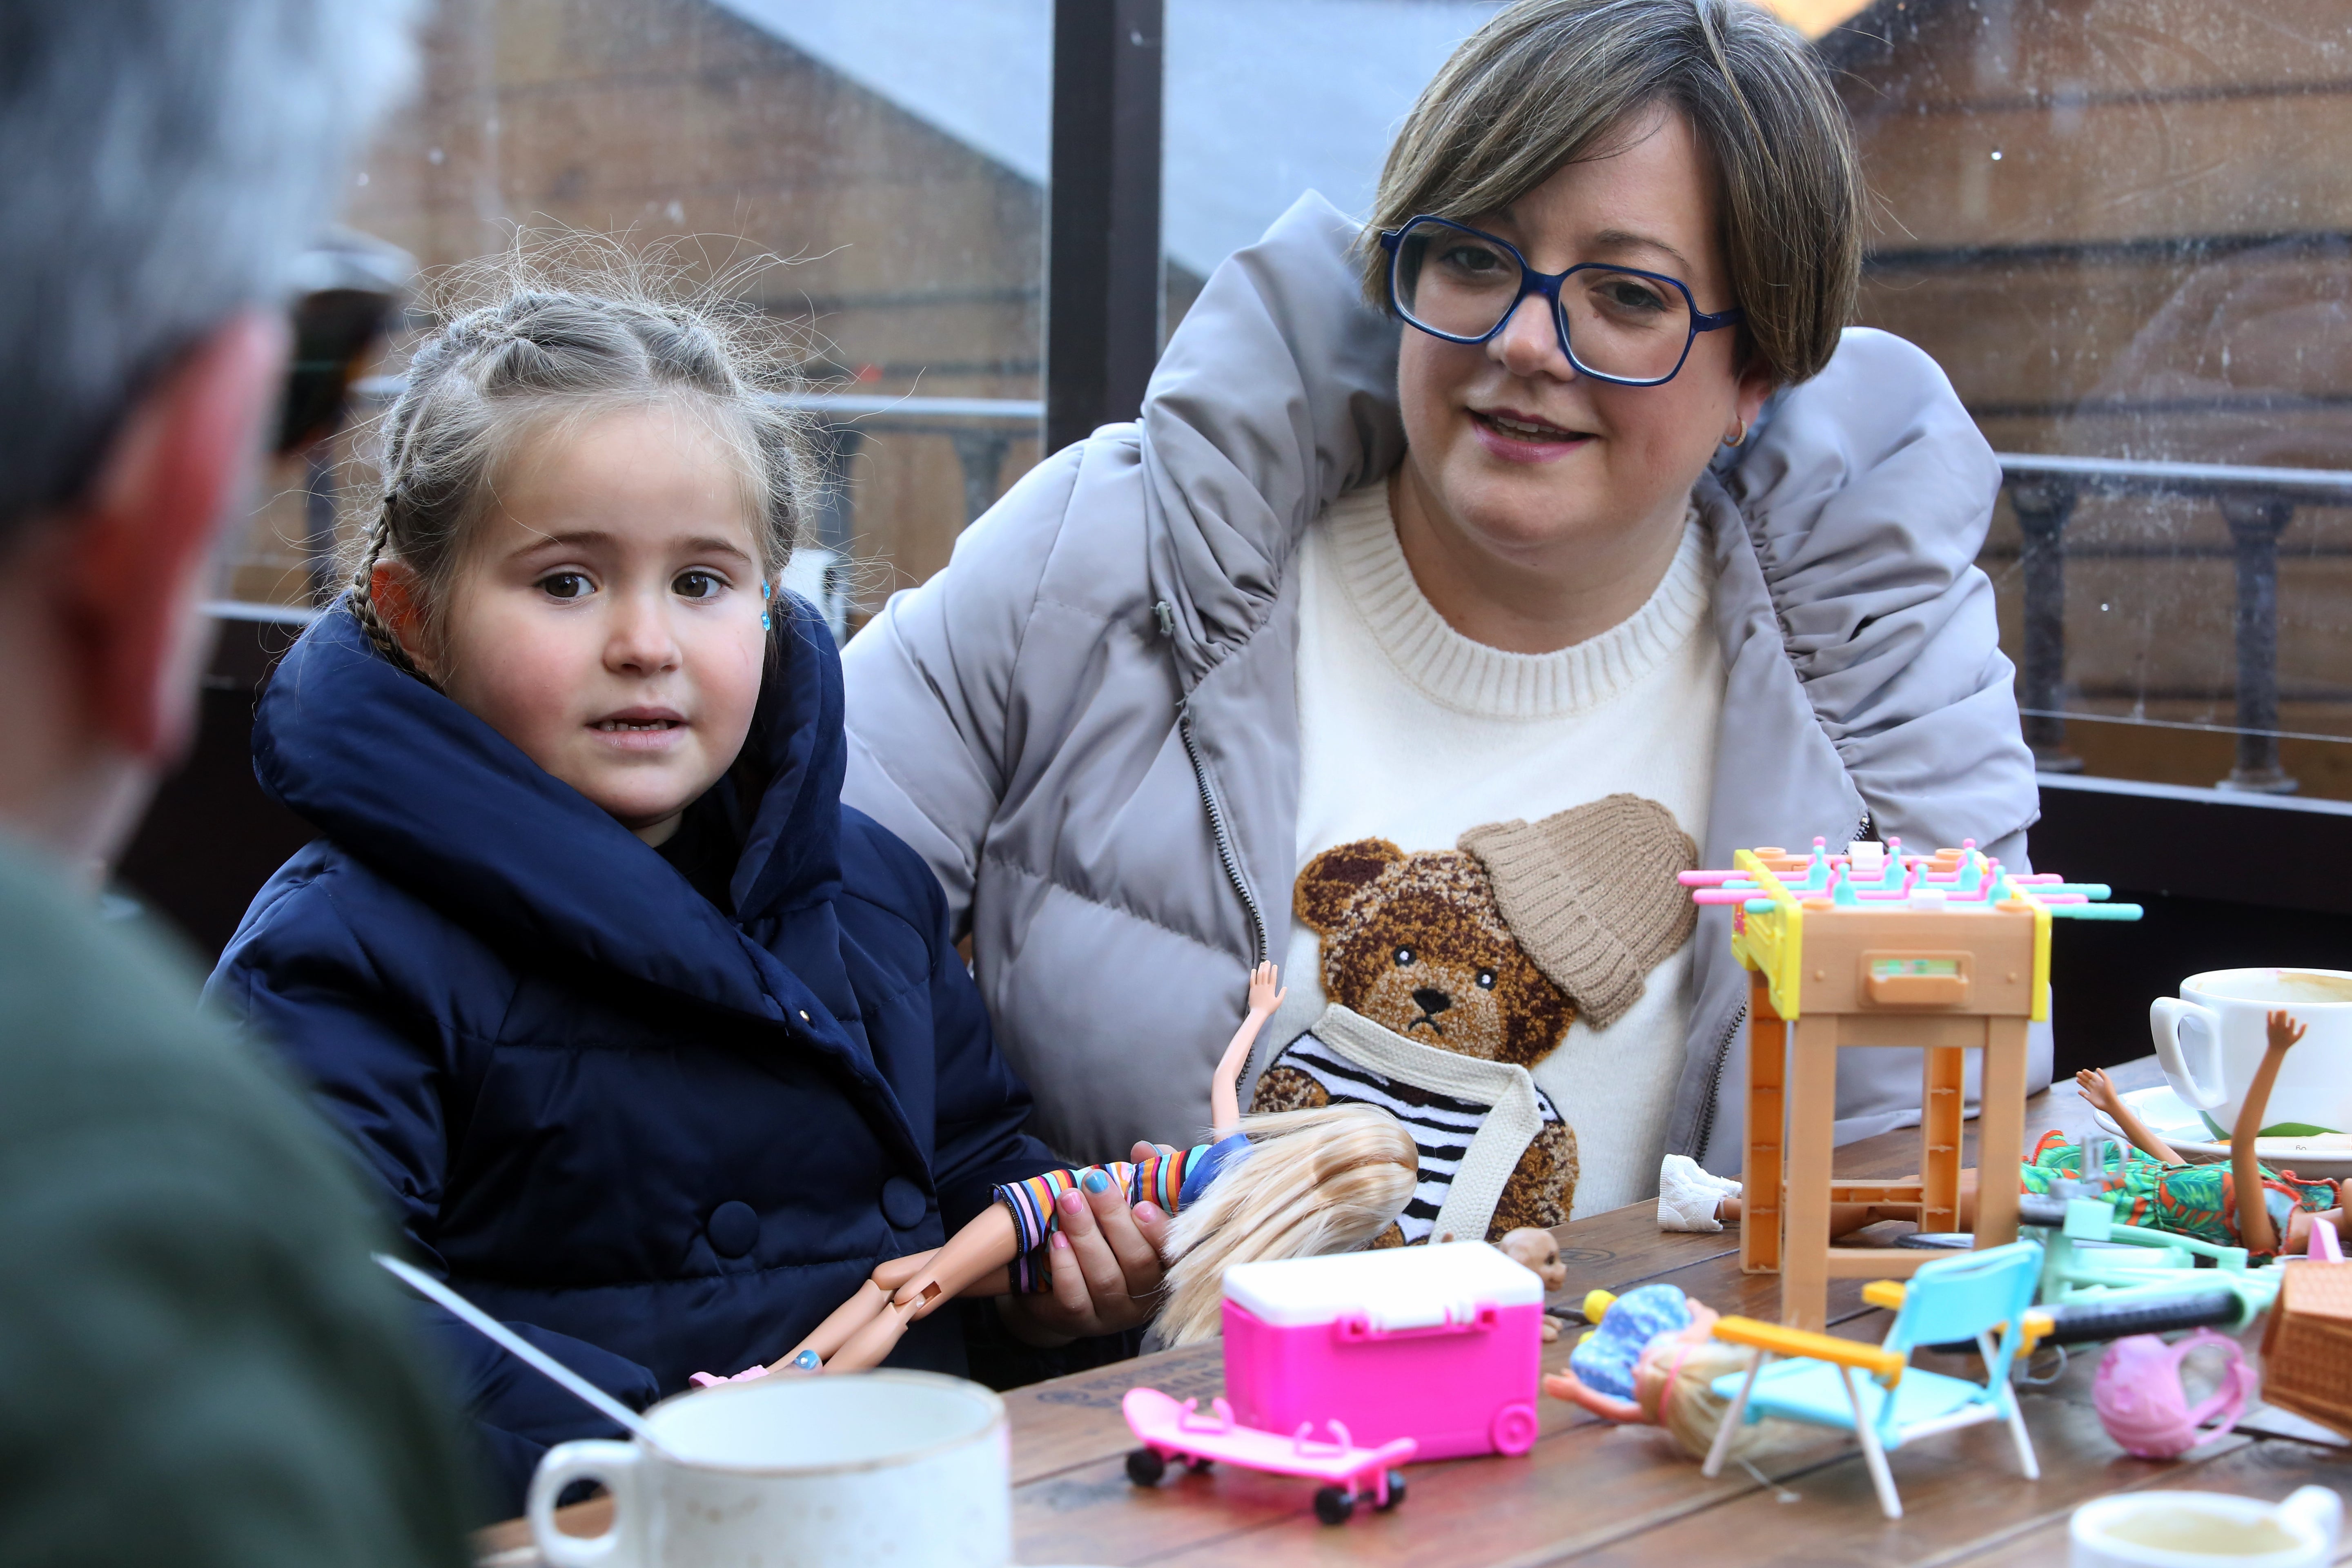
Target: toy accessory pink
[[2139, 1395], [1169, 1430], [1440, 1344]]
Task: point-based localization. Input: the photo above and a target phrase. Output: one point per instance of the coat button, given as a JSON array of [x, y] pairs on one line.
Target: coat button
[[903, 1202], [733, 1228]]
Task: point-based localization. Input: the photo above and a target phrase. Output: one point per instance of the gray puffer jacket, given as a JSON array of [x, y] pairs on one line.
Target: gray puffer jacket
[[1089, 723]]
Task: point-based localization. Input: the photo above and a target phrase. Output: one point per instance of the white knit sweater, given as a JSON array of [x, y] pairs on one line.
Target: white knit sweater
[[1411, 731]]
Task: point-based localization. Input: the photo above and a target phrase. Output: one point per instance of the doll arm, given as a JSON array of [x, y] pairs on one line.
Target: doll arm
[[1565, 1385], [1225, 1096], [2254, 1227], [2100, 1090]]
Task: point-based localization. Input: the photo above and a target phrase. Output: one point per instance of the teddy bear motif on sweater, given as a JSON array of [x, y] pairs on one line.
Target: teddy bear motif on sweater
[[1487, 952]]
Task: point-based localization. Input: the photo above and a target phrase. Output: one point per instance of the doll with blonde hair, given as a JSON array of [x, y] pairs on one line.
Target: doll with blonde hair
[[1287, 1184], [1672, 1387]]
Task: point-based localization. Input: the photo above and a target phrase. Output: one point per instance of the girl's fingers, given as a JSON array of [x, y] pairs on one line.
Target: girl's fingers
[[1138, 1258], [1097, 1267]]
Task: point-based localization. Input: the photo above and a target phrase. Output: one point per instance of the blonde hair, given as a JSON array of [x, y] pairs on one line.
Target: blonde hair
[[563, 329], [1312, 1182], [1549, 82], [1680, 1396]]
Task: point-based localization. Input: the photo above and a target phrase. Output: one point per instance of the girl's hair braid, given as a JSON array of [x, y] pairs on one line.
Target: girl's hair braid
[[527, 347], [362, 594]]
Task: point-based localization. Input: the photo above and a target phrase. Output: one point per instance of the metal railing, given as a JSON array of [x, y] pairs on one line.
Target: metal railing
[[981, 429], [2255, 503]]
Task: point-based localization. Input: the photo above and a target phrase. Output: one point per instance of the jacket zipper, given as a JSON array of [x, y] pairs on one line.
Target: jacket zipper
[[1217, 829], [1715, 1083], [1862, 829]]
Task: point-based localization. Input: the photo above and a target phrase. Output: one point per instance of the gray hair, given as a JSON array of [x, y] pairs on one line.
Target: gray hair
[[166, 161]]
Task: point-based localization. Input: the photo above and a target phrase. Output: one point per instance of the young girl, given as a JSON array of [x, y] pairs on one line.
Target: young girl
[[655, 1049]]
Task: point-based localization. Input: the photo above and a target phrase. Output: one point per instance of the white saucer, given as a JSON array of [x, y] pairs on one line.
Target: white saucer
[[2326, 1156]]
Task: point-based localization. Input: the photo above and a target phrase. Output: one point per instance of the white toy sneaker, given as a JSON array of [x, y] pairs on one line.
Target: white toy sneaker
[[1688, 1195]]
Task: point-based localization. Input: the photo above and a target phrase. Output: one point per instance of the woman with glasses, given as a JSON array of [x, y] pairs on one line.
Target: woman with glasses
[[1546, 534]]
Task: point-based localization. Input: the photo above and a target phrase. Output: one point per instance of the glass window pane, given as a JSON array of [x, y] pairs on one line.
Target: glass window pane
[[894, 149], [2120, 226]]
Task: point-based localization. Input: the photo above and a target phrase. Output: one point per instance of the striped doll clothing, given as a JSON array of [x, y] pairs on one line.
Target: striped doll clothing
[[1441, 1125], [1160, 1179]]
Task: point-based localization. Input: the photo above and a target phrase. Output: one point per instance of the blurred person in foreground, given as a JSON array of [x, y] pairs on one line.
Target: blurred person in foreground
[[197, 1362]]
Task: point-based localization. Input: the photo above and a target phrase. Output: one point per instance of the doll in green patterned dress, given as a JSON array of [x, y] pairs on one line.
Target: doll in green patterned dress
[[2152, 1185]]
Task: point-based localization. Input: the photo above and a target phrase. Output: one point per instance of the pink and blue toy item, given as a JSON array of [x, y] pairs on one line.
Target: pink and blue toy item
[[1441, 1344], [1603, 1360]]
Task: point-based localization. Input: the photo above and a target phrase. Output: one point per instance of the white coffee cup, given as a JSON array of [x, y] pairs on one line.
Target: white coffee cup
[[2210, 1039], [2205, 1529], [907, 1468]]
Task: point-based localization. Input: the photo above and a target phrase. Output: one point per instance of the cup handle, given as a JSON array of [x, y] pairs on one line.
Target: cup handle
[[2319, 1510], [2166, 1016], [614, 1464]]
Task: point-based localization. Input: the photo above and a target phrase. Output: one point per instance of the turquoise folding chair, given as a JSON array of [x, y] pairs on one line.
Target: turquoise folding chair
[[1968, 1296]]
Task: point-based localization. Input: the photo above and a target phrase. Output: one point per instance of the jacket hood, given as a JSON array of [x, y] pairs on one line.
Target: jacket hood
[[436, 800], [1280, 382]]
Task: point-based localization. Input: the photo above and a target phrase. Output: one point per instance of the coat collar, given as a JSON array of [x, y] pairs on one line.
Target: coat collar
[[436, 802]]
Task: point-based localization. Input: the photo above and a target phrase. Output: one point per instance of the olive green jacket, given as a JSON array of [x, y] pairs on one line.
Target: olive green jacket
[[198, 1364]]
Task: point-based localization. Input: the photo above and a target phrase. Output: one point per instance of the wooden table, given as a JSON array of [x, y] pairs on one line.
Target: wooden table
[[1591, 1493]]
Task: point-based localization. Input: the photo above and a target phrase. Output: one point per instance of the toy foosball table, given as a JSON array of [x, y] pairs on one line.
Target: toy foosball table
[[1945, 954]]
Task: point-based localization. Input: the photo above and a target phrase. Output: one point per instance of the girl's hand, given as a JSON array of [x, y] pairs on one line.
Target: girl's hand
[[1107, 1272], [1263, 996], [2284, 1030]]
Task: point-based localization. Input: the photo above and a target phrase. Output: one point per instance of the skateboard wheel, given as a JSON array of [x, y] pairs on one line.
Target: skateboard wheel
[[1396, 1492], [1515, 1429], [1197, 1464], [1333, 1506], [1145, 1467]]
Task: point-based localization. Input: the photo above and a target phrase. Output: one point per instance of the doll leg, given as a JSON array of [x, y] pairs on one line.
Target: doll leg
[[979, 1253], [1847, 1218], [875, 1341], [844, 1322], [898, 1271]]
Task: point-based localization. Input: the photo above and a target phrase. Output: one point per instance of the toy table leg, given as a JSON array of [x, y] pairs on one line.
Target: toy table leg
[[1812, 1115], [2001, 1130], [1760, 1174], [1943, 1101]]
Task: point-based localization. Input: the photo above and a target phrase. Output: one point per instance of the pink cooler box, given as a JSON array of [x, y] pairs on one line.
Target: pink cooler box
[[1440, 1345]]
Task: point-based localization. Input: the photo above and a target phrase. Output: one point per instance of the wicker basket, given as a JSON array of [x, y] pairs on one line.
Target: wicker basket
[[2308, 1346]]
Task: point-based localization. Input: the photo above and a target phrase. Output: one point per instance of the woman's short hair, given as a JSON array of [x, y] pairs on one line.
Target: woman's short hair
[[1548, 83]]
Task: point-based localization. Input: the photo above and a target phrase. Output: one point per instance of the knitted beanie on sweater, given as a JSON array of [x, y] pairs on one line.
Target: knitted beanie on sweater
[[1590, 893]]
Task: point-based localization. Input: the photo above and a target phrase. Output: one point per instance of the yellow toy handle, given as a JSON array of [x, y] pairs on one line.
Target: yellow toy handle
[[1881, 1362]]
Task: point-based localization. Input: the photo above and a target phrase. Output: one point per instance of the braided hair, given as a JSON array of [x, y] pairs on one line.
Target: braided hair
[[501, 372]]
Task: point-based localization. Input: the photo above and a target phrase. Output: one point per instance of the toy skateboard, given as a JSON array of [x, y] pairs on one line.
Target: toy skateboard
[[1169, 1430]]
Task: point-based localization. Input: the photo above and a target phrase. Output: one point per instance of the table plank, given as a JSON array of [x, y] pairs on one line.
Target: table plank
[[2268, 1469]]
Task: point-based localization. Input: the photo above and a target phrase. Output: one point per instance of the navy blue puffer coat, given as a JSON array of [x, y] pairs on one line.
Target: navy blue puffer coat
[[666, 1138]]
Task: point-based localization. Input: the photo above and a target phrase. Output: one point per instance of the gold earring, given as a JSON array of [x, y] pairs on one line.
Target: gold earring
[[1737, 438]]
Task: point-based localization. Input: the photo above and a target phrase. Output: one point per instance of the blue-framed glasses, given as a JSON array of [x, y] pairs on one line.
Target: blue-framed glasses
[[1616, 323]]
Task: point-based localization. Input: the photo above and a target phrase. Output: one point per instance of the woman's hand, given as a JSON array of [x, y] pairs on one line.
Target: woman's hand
[[1107, 1272]]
